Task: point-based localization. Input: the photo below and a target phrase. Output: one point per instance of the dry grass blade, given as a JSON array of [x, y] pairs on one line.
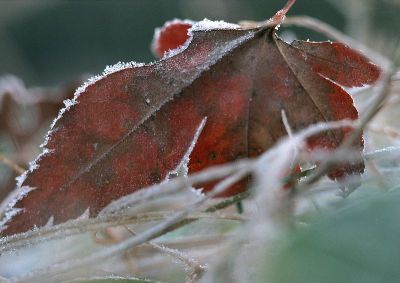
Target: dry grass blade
[[195, 268], [168, 225], [95, 224]]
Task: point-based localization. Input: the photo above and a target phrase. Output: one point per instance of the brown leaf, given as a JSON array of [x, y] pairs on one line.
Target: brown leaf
[[132, 126]]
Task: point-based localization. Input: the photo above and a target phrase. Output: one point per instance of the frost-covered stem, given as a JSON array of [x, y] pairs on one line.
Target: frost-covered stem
[[346, 155], [228, 202], [279, 16], [386, 152], [149, 234], [94, 224], [196, 269], [194, 241]]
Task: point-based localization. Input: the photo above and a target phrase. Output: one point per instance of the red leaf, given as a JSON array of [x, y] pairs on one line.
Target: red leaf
[[132, 126], [172, 35]]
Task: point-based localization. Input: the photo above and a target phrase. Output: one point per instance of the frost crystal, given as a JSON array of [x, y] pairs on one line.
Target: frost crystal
[[68, 103], [182, 166], [207, 25], [9, 210], [120, 66], [176, 51], [157, 32], [204, 25], [84, 215], [50, 222]]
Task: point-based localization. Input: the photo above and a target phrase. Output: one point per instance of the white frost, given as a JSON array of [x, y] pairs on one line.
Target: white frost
[[157, 32], [182, 166], [172, 52], [9, 211], [71, 102], [107, 71], [68, 103], [84, 215], [207, 25], [121, 66], [204, 25], [50, 222]]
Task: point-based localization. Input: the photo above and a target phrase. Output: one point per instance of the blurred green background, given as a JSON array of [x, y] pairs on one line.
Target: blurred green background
[[51, 42]]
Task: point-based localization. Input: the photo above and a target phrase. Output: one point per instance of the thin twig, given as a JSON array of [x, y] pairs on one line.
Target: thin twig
[[228, 202], [196, 269], [386, 152], [110, 279], [81, 226], [11, 164]]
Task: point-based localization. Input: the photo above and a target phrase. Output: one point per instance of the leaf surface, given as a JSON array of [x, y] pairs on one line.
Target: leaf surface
[[132, 126]]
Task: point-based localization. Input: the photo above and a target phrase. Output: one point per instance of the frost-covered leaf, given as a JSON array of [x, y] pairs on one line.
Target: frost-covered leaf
[[131, 126]]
